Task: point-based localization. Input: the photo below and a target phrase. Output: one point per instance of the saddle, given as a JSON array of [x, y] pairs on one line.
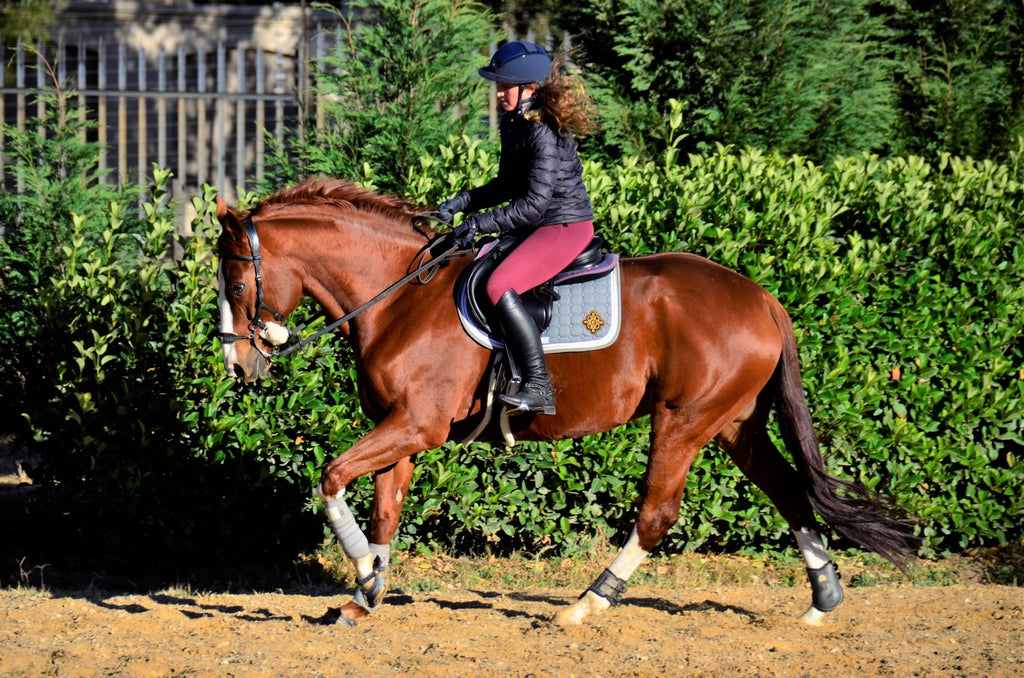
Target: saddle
[[577, 310]]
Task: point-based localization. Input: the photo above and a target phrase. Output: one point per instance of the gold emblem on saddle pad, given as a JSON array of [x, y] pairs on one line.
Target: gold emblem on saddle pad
[[593, 322]]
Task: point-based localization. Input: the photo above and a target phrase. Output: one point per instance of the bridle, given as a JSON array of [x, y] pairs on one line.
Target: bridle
[[257, 325]]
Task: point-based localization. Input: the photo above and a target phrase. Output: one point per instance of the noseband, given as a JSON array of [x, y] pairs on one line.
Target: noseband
[[257, 324]]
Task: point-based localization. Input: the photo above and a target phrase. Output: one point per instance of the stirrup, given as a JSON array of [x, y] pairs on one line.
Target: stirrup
[[532, 397]]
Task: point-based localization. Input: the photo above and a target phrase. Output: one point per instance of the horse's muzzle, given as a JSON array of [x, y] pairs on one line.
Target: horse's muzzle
[[249, 364]]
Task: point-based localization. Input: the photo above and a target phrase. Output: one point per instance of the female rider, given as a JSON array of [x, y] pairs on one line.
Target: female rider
[[540, 187]]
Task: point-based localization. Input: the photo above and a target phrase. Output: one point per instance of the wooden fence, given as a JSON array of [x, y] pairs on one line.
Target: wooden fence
[[204, 114]]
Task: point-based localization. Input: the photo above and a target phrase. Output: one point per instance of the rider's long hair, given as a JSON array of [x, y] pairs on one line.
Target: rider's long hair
[[562, 99]]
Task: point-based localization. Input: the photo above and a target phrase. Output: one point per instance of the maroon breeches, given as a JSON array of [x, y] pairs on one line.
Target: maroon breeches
[[540, 257]]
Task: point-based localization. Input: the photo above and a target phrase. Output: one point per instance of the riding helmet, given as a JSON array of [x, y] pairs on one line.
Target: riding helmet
[[518, 63]]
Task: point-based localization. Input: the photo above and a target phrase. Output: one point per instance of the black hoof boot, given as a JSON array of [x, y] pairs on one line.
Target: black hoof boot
[[826, 591]]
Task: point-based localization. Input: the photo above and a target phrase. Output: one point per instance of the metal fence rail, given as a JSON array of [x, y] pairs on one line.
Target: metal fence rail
[[205, 115]]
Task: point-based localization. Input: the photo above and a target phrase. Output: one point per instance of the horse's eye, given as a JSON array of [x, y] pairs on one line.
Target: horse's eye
[[237, 289]]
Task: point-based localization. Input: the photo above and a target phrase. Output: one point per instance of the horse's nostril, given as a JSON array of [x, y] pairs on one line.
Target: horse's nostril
[[239, 372]]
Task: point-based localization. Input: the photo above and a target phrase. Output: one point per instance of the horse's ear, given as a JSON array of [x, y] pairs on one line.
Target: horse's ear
[[229, 222]]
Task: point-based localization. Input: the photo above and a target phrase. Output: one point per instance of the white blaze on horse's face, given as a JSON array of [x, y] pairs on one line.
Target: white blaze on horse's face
[[227, 324]]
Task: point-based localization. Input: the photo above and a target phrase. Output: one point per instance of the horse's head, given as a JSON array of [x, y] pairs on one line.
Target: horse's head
[[257, 289]]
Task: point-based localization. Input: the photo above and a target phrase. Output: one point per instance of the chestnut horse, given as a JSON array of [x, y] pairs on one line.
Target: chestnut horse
[[704, 351]]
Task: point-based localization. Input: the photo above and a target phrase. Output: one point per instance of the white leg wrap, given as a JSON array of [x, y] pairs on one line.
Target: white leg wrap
[[812, 548], [352, 539], [629, 558]]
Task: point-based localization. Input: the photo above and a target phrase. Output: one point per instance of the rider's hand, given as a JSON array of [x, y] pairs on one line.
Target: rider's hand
[[464, 234], [450, 208]]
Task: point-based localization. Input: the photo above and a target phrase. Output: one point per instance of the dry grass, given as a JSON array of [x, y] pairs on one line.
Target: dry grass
[[438, 570]]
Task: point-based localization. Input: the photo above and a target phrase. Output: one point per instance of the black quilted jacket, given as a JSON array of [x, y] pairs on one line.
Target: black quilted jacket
[[540, 176]]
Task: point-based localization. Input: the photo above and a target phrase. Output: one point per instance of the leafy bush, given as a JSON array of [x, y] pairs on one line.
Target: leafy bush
[[903, 278], [56, 175]]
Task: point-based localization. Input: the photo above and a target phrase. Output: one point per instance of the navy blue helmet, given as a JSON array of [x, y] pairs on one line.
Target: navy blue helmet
[[518, 63]]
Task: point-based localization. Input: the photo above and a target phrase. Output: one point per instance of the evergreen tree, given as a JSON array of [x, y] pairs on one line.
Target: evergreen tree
[[820, 85], [401, 80], [961, 76], [809, 77], [25, 20]]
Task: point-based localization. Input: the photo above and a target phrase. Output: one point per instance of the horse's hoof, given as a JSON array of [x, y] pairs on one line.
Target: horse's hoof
[[353, 611], [567, 617], [344, 620], [813, 616], [334, 617], [587, 604], [584, 606]]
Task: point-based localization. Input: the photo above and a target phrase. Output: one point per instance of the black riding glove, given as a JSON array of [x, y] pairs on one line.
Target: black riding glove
[[464, 234], [450, 208]]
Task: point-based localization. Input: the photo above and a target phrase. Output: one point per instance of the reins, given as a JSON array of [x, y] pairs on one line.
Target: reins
[[430, 268]]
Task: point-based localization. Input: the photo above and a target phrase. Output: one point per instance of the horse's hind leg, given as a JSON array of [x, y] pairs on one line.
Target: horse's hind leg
[[748, 444], [673, 449]]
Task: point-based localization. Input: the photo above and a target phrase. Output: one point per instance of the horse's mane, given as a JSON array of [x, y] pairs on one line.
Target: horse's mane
[[340, 193]]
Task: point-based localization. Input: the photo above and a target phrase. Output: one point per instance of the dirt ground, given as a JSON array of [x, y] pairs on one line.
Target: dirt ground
[[58, 617], [957, 630]]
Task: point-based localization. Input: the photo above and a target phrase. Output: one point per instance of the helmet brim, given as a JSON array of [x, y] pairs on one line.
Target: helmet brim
[[488, 74]]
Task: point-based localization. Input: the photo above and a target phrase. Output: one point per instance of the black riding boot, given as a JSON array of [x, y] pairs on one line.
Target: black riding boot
[[523, 340]]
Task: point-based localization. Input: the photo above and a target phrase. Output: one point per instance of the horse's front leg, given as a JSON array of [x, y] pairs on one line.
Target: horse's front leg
[[389, 446], [390, 487]]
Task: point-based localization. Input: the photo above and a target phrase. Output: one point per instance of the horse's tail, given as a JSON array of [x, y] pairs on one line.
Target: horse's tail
[[868, 521]]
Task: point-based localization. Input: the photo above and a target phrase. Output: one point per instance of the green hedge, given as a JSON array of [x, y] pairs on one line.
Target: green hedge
[[904, 279], [903, 276]]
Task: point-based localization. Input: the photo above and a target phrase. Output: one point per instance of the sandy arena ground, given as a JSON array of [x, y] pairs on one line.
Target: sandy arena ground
[[974, 630]]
